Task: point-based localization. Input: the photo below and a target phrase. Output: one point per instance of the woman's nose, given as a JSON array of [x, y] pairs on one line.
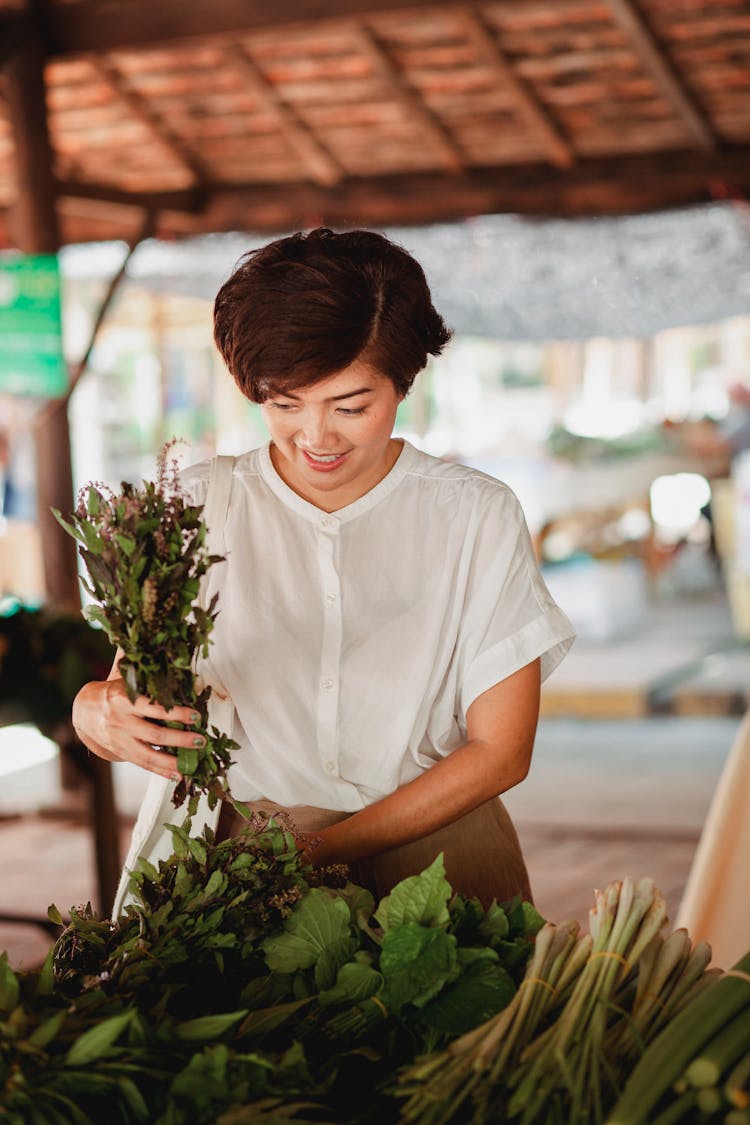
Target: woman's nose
[[316, 430]]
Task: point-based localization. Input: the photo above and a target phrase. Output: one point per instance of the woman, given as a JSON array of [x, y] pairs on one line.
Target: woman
[[383, 627]]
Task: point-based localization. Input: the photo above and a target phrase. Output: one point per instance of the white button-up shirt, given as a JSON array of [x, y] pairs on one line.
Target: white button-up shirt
[[353, 643]]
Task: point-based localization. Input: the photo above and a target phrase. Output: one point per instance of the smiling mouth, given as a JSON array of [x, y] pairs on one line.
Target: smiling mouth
[[324, 462]]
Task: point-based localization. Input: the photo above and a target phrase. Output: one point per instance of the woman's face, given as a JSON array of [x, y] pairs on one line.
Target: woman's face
[[332, 441]]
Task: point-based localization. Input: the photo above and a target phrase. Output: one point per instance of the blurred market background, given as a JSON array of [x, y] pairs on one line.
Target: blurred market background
[[574, 180]]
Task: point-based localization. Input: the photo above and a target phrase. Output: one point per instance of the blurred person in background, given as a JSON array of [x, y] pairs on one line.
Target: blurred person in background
[[720, 442]]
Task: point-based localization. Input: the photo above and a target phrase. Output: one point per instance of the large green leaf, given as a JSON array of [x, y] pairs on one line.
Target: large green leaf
[[354, 982], [319, 924], [359, 900], [416, 961], [483, 990], [420, 898]]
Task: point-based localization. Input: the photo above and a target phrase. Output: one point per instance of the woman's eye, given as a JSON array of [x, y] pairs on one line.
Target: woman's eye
[[350, 411], [281, 405]]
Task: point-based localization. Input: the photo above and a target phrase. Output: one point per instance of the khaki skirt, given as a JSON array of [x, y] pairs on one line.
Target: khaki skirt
[[481, 851]]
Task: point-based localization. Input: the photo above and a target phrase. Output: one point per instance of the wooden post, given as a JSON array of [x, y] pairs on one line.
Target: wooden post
[[36, 231]]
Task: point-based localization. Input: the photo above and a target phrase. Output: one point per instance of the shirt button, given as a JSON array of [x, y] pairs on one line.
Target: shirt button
[[327, 522], [327, 683], [330, 599], [330, 767]]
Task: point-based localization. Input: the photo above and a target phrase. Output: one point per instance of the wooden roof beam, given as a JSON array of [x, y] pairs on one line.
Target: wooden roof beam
[[605, 186], [666, 78], [111, 77], [527, 103], [416, 109], [191, 201], [96, 26], [316, 158]]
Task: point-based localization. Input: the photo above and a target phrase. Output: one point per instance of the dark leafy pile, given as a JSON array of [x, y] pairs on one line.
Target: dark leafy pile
[[244, 986], [46, 656], [145, 553]]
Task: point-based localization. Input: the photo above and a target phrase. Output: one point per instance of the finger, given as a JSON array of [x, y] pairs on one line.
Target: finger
[[119, 701], [156, 761], [146, 731], [180, 714], [146, 756]]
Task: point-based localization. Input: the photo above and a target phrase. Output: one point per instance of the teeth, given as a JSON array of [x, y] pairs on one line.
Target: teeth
[[327, 457]]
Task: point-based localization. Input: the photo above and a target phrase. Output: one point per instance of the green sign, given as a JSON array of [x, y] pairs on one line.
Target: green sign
[[31, 358]]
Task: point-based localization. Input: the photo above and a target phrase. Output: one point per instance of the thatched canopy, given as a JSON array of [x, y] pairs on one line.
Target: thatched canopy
[[511, 278], [241, 114]]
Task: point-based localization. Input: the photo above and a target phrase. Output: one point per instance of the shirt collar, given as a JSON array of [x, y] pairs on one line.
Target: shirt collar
[[383, 488]]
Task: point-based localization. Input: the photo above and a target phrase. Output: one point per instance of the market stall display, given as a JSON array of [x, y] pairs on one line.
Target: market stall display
[[241, 984]]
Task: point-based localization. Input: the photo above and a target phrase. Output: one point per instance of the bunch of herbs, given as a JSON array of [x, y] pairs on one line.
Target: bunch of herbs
[[145, 554]]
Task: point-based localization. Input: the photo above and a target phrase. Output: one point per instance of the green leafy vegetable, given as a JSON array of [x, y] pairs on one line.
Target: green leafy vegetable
[[416, 961], [420, 898], [320, 926]]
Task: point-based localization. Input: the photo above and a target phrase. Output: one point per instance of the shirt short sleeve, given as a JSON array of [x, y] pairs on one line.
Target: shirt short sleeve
[[510, 617]]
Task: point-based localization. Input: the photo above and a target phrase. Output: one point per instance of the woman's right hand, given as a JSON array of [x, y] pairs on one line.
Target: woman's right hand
[[112, 727]]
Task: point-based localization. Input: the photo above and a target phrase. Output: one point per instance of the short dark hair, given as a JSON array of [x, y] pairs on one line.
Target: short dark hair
[[307, 306]]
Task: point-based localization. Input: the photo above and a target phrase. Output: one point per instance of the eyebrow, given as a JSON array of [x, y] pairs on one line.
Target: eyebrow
[[334, 398]]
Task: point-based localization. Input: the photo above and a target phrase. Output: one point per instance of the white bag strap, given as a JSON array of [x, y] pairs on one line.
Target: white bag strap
[[217, 502], [221, 708]]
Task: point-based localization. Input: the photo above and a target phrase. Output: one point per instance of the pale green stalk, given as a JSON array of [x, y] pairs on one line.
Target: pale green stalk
[[572, 966], [651, 922], [693, 979], [541, 997], [628, 916], [696, 967], [575, 963], [660, 967], [526, 999], [646, 965]]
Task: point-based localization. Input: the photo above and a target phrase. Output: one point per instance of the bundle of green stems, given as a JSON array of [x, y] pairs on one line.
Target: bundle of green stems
[[586, 1008], [698, 1067]]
